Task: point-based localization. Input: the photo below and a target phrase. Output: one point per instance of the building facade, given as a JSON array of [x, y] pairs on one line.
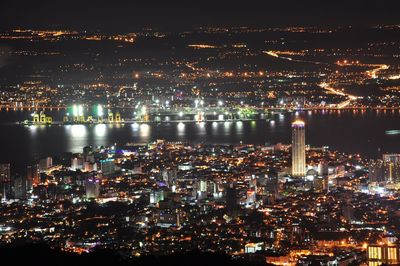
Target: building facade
[[298, 149]]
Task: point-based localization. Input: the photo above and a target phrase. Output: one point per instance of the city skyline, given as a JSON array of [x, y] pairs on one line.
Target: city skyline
[[250, 133]]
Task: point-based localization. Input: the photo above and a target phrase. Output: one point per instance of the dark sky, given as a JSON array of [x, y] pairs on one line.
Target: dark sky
[[133, 14]]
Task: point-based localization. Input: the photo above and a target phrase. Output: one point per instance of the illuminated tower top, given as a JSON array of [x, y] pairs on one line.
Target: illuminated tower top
[[298, 123]]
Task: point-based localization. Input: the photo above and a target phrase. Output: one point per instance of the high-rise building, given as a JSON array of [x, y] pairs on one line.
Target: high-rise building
[[383, 255], [323, 168], [169, 175], [376, 171], [20, 185], [391, 157], [92, 186], [107, 167], [298, 149], [201, 189], [250, 197], [32, 175], [76, 163], [272, 184], [5, 180], [213, 189], [384, 171], [45, 164], [156, 196], [231, 198], [89, 167]]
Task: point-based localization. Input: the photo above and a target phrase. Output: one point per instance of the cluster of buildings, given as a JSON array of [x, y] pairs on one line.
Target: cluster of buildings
[[385, 170], [76, 114], [133, 75], [281, 204]]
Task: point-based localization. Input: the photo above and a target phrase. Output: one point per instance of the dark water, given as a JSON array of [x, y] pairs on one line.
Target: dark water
[[348, 131]]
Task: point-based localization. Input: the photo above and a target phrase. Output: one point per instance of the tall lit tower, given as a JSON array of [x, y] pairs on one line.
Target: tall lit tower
[[298, 149], [5, 181]]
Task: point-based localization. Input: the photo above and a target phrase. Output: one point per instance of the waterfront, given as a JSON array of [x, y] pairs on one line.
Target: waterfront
[[354, 132], [266, 134]]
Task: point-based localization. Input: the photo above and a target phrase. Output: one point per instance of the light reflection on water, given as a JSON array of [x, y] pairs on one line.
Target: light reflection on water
[[100, 130], [77, 131], [33, 129], [362, 131], [135, 126], [201, 128], [76, 137], [181, 129], [144, 130], [227, 128]]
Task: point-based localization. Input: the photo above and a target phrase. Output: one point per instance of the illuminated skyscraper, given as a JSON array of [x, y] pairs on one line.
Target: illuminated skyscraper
[[156, 196], [45, 164], [384, 171], [391, 157], [33, 176], [272, 183], [298, 149], [20, 186], [383, 254], [92, 186], [5, 181], [201, 189], [107, 167]]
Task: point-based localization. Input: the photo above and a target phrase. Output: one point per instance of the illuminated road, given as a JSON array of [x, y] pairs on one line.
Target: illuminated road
[[189, 65], [277, 55], [327, 87], [374, 72], [331, 90], [344, 104]]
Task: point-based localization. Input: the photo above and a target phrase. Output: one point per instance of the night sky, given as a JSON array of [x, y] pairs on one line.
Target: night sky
[[122, 15]]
